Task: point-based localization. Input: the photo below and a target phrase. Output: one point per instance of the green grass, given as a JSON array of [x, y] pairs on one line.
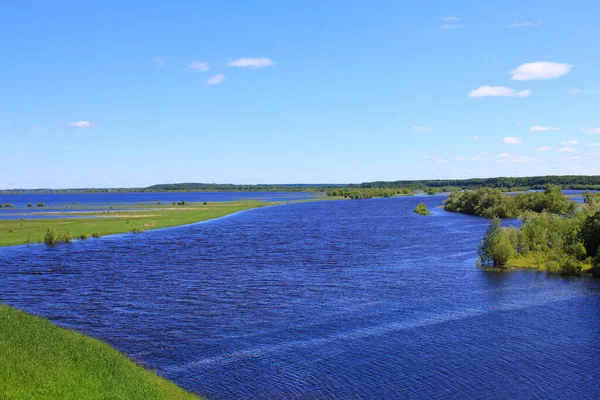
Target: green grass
[[529, 262], [14, 232], [39, 360]]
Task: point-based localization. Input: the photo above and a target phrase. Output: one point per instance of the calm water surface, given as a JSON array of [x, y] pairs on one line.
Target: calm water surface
[[349, 299]]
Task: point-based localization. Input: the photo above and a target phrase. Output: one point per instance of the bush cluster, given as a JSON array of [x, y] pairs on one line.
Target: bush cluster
[[367, 193], [421, 209], [489, 203], [562, 243]]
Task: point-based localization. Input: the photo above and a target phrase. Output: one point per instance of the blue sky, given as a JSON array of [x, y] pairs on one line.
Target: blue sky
[[121, 94]]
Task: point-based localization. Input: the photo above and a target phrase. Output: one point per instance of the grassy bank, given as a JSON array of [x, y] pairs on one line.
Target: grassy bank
[[39, 360], [14, 232], [539, 263]]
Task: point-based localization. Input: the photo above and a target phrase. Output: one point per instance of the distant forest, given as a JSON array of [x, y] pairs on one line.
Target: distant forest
[[580, 182]]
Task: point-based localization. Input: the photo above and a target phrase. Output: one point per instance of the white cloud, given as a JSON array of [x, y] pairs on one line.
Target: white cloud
[[542, 149], [474, 137], [81, 124], [448, 18], [524, 24], [538, 128], [591, 131], [511, 158], [452, 26], [437, 159], [252, 62], [215, 79], [199, 66], [498, 91], [478, 158], [511, 140], [571, 143], [540, 70], [577, 91], [566, 149], [419, 128], [159, 62]]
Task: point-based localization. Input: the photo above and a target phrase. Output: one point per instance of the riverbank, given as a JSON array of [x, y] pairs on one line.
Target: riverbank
[[540, 263], [95, 224], [42, 360]]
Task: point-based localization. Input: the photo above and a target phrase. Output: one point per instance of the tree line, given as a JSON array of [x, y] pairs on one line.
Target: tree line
[[567, 182]]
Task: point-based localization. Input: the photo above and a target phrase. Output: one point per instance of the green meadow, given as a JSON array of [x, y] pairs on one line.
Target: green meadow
[[93, 224], [40, 360]]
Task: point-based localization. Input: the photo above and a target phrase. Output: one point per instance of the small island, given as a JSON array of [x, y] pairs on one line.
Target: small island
[[421, 209]]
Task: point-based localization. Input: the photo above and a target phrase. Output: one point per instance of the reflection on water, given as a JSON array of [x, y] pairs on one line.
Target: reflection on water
[[354, 299]]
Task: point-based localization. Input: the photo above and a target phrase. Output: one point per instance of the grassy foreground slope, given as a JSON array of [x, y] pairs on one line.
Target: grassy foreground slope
[[40, 360], [13, 232]]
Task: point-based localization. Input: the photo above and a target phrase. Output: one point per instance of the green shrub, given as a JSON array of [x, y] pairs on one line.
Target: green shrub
[[596, 264], [41, 205], [421, 209], [95, 235], [137, 230], [590, 234], [205, 203], [84, 236], [51, 237], [8, 205], [66, 237], [502, 250], [29, 205]]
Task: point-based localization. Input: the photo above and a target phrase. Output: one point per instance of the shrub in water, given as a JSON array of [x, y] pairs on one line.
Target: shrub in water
[[29, 205], [51, 237], [95, 235], [84, 236], [41, 205], [67, 238], [421, 209], [8, 205]]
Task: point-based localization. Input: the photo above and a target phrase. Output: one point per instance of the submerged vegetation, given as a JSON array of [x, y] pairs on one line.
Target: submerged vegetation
[[421, 209], [563, 244], [489, 203], [42, 361]]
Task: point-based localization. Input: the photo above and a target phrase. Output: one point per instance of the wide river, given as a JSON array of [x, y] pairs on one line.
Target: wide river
[[332, 299]]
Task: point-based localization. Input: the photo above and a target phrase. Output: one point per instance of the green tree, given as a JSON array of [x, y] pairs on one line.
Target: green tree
[[490, 237], [590, 234]]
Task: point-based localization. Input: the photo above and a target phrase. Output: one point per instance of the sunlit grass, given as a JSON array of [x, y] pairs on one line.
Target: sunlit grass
[[13, 232], [39, 360]]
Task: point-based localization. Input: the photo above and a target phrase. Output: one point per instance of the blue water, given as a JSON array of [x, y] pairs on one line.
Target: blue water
[[86, 202], [346, 300]]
